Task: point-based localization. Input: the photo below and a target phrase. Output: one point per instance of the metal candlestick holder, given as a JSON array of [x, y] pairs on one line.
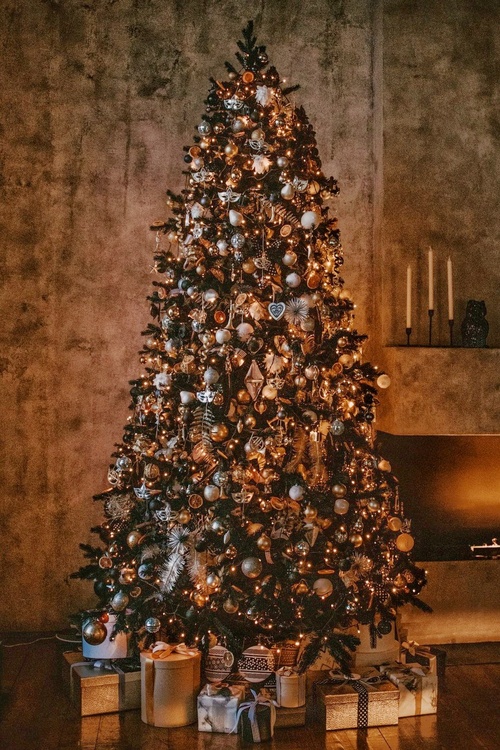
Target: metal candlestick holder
[[408, 334], [450, 323], [431, 315]]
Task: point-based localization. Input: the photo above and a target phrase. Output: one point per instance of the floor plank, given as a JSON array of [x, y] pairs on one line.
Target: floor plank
[[36, 715]]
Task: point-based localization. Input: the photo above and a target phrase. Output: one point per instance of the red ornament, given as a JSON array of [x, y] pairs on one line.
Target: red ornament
[[104, 617], [220, 316]]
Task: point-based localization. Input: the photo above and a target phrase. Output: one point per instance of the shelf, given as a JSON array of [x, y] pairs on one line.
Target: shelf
[[440, 391]]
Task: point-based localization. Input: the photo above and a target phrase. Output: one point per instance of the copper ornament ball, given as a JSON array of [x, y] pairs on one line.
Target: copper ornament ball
[[94, 632]]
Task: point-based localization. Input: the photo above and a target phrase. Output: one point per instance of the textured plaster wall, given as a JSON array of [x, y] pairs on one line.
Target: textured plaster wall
[[97, 100]]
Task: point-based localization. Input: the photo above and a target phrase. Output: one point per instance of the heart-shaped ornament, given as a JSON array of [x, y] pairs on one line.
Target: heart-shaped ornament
[[276, 310]]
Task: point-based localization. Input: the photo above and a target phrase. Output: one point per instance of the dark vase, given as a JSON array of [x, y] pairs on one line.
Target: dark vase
[[475, 327]]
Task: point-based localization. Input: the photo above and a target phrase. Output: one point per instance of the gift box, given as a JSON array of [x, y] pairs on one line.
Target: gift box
[[355, 702], [170, 683], [256, 718], [290, 717], [428, 656], [101, 688], [218, 707], [374, 651], [417, 688], [290, 688]]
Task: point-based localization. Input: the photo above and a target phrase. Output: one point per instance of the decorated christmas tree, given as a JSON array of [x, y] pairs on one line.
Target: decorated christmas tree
[[248, 500]]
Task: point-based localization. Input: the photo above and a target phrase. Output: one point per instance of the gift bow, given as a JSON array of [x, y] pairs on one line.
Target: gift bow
[[287, 671], [412, 647], [162, 650], [214, 688], [258, 700], [339, 677]]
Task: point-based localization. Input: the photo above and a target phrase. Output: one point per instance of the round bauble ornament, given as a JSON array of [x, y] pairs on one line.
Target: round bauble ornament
[[208, 339], [218, 663], [218, 526], [133, 538], [356, 540], [373, 504], [213, 581], [219, 432], [210, 296], [184, 516], [252, 613], [300, 381], [222, 336], [119, 601], [198, 598], [264, 542], [244, 331], [248, 265], [310, 513], [151, 471], [238, 125], [152, 625], [105, 562], [323, 587], [282, 162], [211, 376], [94, 631], [405, 542], [339, 490], [251, 567], [218, 126], [346, 360], [302, 548], [313, 279], [301, 588], [296, 492], [337, 427], [204, 128], [231, 149], [187, 397], [384, 627], [289, 258], [256, 663], [341, 506], [287, 191], [293, 280], [269, 392], [145, 571], [243, 396], [230, 606], [384, 465], [313, 187], [310, 220], [211, 493], [395, 523], [238, 241], [220, 316], [250, 421], [235, 218], [311, 372], [383, 381]]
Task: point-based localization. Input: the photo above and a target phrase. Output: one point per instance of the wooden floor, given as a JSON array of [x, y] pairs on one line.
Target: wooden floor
[[37, 715]]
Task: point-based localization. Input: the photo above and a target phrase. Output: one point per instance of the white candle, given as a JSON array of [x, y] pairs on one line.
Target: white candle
[[408, 297], [450, 290], [431, 279]]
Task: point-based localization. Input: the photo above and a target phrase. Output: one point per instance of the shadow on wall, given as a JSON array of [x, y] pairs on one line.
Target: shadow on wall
[[450, 487]]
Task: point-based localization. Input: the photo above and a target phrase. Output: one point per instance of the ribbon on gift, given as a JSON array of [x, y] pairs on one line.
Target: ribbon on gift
[[287, 671], [412, 647], [215, 688], [100, 664], [360, 685], [252, 706], [157, 652]]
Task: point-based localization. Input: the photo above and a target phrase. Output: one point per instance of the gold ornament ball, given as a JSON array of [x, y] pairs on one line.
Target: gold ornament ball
[[301, 588], [373, 504], [264, 542], [250, 422], [251, 567], [94, 632], [310, 513], [248, 266], [231, 149], [383, 381], [134, 538], [151, 471], [356, 540], [405, 542], [184, 516], [339, 490], [323, 587], [243, 396], [395, 523], [119, 601], [213, 581], [346, 360], [230, 606], [300, 381], [341, 506], [219, 432], [384, 465], [198, 598]]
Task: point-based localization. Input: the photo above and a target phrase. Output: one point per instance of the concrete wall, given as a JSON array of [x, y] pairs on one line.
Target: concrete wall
[[97, 100]]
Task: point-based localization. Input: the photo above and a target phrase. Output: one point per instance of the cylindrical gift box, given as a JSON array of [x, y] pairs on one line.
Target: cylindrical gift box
[[290, 688], [285, 654], [386, 648], [108, 649], [169, 688]]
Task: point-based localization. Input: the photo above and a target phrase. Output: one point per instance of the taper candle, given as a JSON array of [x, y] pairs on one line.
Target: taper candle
[[408, 297], [431, 279], [450, 289]]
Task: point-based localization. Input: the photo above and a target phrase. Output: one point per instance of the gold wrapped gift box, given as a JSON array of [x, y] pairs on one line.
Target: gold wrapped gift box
[[100, 691]]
